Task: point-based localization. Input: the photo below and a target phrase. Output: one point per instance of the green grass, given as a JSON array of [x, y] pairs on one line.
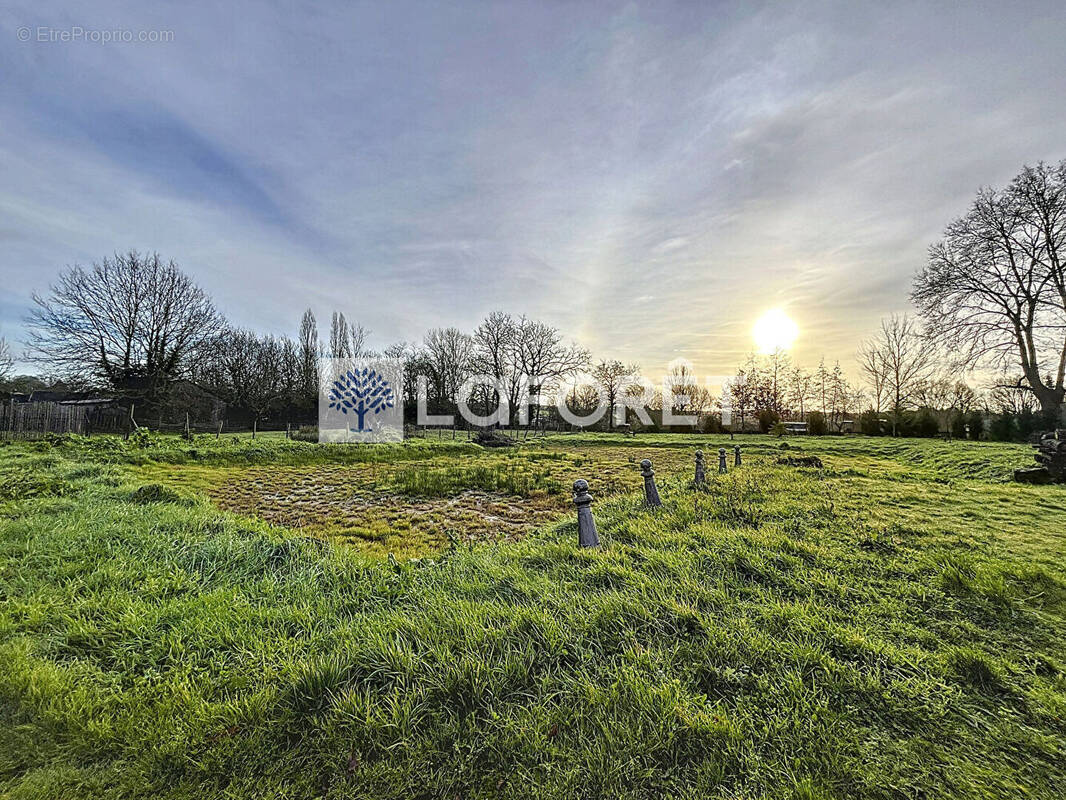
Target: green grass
[[889, 626]]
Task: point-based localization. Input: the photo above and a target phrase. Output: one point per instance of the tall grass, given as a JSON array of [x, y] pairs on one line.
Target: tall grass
[[515, 478], [786, 634]]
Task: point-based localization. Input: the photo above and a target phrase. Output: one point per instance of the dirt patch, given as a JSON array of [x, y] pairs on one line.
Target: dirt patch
[[412, 508], [338, 505]]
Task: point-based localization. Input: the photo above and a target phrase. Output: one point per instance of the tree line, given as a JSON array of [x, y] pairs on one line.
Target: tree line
[[137, 326], [991, 296]]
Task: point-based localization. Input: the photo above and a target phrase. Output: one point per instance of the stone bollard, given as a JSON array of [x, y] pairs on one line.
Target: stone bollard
[[722, 469], [586, 525], [736, 455], [651, 494], [701, 469]]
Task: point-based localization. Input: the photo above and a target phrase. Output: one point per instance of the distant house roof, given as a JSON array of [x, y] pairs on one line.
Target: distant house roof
[[66, 397], [49, 396], [88, 401]]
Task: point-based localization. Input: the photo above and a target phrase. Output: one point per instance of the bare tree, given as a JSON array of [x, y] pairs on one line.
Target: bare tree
[[516, 350], [843, 397], [543, 359], [684, 393], [291, 367], [822, 384], [247, 371], [412, 368], [448, 360], [310, 350], [742, 390], [934, 393], [994, 288], [6, 360], [873, 369], [339, 346], [357, 339], [132, 321], [583, 399], [962, 397], [800, 390], [905, 358], [347, 339], [778, 364], [495, 354], [1011, 397], [613, 376]]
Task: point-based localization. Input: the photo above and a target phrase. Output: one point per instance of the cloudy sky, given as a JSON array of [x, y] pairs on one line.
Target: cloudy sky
[[648, 177]]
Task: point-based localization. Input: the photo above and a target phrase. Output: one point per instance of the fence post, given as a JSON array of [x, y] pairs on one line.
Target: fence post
[[722, 468], [701, 469], [736, 455], [651, 493], [586, 525]]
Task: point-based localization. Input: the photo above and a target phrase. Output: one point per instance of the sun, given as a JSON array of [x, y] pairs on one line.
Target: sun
[[774, 330]]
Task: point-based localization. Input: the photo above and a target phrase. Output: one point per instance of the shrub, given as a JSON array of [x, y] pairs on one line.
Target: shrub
[[905, 424], [816, 424], [870, 423], [1049, 420], [1002, 428], [958, 425], [305, 433], [1028, 423], [141, 437], [767, 419], [925, 424], [712, 423], [976, 421], [778, 429]]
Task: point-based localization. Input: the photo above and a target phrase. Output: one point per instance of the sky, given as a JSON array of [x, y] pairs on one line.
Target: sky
[[648, 177]]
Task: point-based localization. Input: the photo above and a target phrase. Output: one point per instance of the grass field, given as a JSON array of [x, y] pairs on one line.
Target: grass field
[[270, 618]]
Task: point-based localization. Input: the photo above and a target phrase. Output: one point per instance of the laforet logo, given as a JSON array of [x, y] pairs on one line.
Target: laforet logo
[[362, 392], [360, 400]]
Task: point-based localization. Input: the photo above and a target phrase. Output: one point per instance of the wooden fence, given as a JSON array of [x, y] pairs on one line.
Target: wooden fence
[[34, 420]]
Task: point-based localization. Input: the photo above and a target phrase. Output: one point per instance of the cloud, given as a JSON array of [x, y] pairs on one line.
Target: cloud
[[648, 178]]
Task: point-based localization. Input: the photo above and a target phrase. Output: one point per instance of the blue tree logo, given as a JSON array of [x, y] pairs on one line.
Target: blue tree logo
[[361, 391]]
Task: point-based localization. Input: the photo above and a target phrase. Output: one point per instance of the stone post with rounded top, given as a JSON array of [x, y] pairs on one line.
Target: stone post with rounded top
[[651, 494], [586, 525]]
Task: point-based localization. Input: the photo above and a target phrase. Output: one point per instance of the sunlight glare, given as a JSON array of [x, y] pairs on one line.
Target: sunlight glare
[[774, 330]]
